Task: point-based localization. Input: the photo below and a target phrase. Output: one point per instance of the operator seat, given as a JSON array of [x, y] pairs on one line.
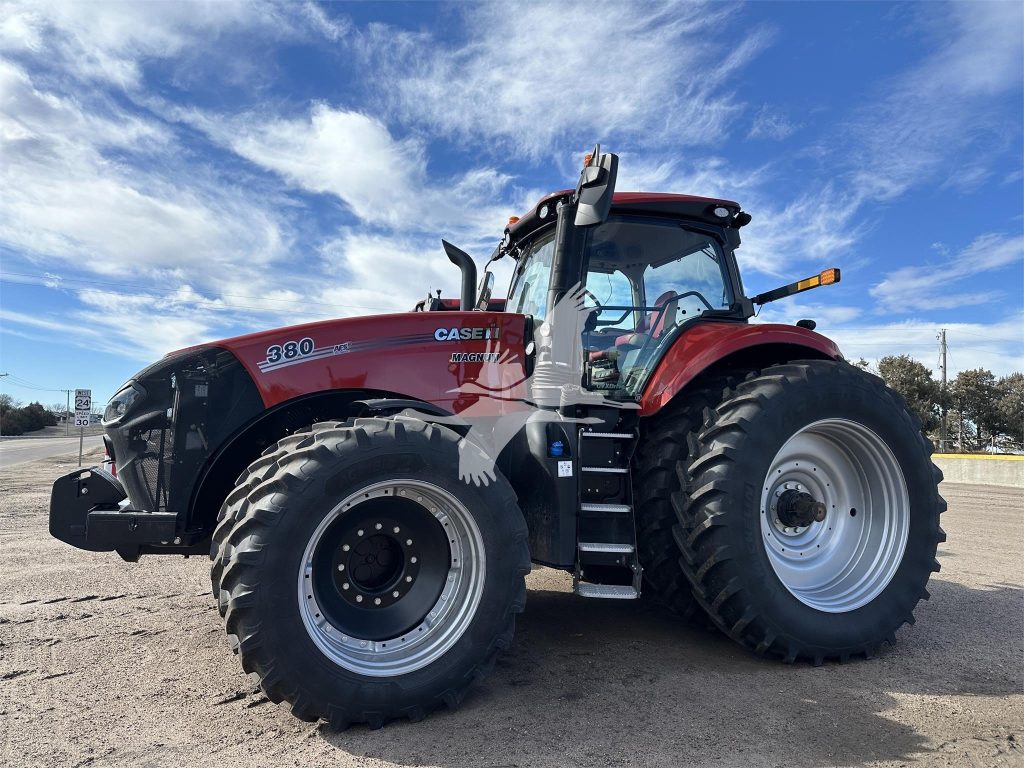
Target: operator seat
[[650, 328]]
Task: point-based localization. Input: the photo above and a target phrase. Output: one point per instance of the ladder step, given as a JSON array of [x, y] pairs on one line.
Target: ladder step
[[602, 546], [621, 435], [607, 470], [612, 509], [607, 591]]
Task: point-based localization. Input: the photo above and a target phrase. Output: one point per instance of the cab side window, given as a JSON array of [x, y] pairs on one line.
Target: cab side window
[[529, 294]]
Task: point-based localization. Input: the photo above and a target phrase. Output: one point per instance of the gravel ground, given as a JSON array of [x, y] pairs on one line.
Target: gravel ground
[[110, 663]]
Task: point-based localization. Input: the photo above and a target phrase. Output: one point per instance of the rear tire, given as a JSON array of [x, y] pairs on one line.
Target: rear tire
[[372, 511], [659, 468], [845, 584]]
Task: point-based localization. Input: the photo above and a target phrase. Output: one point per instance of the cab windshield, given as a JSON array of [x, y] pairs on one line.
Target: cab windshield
[[645, 278]]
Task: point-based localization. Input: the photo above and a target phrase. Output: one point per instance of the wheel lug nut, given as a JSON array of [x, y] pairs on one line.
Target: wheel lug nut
[[408, 579], [359, 532], [341, 567], [376, 601], [345, 547], [359, 598], [412, 559], [378, 526], [395, 593], [396, 529], [408, 542], [345, 585]]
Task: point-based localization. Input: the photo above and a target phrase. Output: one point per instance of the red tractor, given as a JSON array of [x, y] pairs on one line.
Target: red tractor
[[372, 490]]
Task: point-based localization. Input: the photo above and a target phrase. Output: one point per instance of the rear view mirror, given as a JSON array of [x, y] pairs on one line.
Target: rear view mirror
[[596, 187]]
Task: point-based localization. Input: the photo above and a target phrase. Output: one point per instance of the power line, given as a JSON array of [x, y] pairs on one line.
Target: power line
[[26, 384]]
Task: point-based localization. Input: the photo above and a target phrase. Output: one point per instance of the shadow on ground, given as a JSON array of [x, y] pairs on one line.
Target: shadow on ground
[[591, 682]]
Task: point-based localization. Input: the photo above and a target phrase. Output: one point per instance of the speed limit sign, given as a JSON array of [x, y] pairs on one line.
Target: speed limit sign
[[83, 407]]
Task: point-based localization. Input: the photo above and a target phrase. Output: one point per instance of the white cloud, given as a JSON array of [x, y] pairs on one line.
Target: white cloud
[[79, 190], [997, 346], [110, 44], [788, 311], [771, 124], [393, 272], [560, 74], [941, 112], [383, 180], [934, 286]]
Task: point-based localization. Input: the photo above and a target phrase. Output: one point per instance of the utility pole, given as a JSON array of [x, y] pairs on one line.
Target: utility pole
[[67, 415], [1, 422], [942, 405]]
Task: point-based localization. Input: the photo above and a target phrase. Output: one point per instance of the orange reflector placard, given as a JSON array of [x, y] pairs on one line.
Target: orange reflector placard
[[512, 220], [810, 282], [586, 159]]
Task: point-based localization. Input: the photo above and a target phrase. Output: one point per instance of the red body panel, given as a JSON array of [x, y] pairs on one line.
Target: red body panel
[[705, 343], [398, 353]]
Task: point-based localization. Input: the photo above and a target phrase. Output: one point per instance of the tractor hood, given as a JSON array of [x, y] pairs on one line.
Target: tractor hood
[[421, 355]]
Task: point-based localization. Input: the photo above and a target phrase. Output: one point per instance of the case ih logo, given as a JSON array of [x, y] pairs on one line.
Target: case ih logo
[[466, 334]]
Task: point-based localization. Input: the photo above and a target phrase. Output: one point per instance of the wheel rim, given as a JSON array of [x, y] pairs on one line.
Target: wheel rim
[[846, 560], [391, 578]]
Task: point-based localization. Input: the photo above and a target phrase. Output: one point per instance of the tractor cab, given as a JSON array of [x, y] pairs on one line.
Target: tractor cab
[[649, 265]]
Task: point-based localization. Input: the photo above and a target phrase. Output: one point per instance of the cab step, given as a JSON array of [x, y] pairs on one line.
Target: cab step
[[610, 435], [605, 547], [605, 509], [607, 591], [607, 470]]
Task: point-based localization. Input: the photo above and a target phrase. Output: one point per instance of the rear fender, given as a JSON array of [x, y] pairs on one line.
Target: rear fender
[[706, 345]]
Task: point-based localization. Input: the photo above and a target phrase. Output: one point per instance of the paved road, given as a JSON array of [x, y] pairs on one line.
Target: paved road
[[107, 663], [29, 449]]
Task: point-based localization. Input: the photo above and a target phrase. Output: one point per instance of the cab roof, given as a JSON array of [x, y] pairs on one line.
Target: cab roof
[[657, 203]]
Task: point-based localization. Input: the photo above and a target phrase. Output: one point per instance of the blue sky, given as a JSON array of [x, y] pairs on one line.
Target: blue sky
[[173, 173]]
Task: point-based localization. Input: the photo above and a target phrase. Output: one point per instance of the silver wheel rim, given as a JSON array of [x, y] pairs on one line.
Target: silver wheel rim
[[848, 559], [445, 621]]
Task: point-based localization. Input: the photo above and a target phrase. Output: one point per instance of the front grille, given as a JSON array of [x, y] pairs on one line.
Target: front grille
[[190, 405], [155, 465]]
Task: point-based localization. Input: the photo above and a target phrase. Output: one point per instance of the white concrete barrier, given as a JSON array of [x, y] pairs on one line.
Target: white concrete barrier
[[981, 469]]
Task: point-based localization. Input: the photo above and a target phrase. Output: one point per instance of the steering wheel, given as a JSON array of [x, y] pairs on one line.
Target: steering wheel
[[589, 293]]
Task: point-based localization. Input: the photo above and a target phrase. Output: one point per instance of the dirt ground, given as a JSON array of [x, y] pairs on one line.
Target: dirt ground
[[109, 663]]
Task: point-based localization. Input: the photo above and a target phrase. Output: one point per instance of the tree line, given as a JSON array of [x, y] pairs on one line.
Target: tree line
[[983, 413], [16, 419]]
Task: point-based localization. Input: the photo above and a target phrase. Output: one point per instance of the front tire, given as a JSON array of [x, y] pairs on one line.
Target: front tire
[[360, 579], [836, 440]]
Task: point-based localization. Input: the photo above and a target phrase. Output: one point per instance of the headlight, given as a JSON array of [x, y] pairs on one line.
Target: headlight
[[120, 403]]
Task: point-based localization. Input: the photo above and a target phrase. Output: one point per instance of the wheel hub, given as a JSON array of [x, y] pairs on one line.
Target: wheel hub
[[376, 565], [798, 509]]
